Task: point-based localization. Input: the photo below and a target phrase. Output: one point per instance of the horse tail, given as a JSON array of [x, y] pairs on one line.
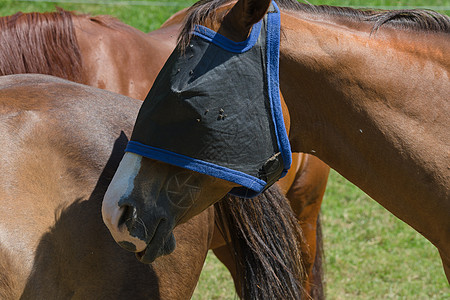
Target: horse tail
[[265, 237], [318, 285], [43, 43], [8, 277]]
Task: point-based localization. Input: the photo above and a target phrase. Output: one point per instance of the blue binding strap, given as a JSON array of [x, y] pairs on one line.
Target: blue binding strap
[[224, 42], [273, 62], [254, 184]]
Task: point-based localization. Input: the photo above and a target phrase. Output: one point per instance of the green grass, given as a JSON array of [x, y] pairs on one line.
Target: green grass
[[369, 253]]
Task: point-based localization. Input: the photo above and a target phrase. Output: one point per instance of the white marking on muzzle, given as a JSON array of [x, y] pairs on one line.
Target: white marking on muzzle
[[120, 187]]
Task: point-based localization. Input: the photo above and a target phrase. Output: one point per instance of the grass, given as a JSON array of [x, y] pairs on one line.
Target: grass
[[370, 254]]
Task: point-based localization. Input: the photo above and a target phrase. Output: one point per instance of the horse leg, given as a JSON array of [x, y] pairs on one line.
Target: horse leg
[[445, 264], [317, 286], [305, 195], [224, 255], [223, 252]]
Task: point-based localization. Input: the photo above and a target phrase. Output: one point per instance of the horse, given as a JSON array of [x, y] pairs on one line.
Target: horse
[[367, 92], [90, 38], [304, 186], [53, 48], [57, 160]]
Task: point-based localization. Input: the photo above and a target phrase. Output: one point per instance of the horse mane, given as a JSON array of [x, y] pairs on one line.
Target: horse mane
[[265, 238], [46, 43], [411, 19], [42, 43]]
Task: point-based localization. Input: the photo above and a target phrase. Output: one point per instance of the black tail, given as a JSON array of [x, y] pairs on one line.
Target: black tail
[[265, 242]]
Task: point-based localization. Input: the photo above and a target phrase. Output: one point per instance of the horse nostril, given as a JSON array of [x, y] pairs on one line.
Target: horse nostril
[[128, 214], [130, 225]]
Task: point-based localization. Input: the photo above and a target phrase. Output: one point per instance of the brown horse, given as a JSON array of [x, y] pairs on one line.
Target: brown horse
[[57, 160], [367, 92], [50, 46], [304, 185], [103, 65]]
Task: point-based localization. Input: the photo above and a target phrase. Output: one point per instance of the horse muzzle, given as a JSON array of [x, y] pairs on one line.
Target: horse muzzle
[[149, 237]]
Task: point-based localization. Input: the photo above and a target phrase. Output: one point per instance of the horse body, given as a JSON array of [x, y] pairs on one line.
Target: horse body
[[367, 92], [85, 49], [57, 160], [58, 218]]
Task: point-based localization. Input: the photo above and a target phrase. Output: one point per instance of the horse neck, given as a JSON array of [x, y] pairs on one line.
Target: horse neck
[[375, 108], [128, 70]]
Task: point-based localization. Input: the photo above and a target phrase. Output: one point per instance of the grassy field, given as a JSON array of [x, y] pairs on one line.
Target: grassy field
[[369, 253]]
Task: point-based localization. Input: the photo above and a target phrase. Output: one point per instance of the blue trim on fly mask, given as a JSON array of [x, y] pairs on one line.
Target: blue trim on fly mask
[[273, 70], [197, 165], [250, 185], [227, 44]]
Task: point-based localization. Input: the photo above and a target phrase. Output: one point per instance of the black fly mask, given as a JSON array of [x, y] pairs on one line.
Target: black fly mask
[[215, 109]]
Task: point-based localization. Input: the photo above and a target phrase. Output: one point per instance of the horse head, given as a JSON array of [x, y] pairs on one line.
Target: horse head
[[147, 199], [178, 161]]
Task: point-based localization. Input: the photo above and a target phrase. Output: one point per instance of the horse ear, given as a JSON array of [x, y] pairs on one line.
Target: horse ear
[[245, 13], [254, 10]]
